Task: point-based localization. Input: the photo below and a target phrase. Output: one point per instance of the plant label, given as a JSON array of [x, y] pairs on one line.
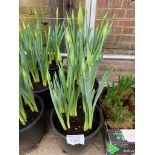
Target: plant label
[[75, 139], [129, 135]]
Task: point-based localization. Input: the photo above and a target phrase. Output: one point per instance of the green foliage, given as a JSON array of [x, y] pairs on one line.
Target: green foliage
[[54, 39], [113, 103], [25, 92], [84, 49], [64, 95], [80, 16], [40, 56], [124, 86], [35, 59], [26, 39], [84, 58], [89, 97], [31, 40]]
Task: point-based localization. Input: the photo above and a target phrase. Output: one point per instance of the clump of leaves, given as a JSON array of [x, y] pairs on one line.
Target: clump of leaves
[[54, 39], [116, 110], [39, 55], [124, 87], [26, 96], [64, 95], [84, 58], [36, 55], [83, 48]]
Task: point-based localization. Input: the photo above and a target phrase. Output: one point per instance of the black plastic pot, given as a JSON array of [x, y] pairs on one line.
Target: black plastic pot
[[96, 84], [53, 68], [45, 95], [48, 105], [77, 149], [31, 135]]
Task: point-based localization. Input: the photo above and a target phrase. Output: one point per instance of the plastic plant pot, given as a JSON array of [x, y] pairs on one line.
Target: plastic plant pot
[[43, 92], [79, 148], [96, 85], [45, 95], [53, 68], [48, 105], [30, 135]]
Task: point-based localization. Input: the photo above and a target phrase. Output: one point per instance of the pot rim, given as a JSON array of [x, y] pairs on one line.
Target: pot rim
[[37, 119], [56, 67], [42, 90], [86, 137]]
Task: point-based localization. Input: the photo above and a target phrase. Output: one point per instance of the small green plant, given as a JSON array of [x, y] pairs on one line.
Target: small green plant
[[25, 91], [125, 85], [117, 112]]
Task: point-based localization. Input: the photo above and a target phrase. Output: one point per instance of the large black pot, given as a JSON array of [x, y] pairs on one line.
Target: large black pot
[[31, 135], [77, 149]]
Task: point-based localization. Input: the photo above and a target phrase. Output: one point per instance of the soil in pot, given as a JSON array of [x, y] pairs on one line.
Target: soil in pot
[[31, 134], [31, 116], [38, 86], [76, 128], [76, 124]]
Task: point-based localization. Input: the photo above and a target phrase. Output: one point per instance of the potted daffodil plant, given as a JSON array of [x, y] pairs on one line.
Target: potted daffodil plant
[[76, 118]]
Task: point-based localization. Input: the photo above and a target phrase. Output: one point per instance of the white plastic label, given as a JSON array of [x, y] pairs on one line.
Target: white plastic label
[[129, 135], [75, 139]]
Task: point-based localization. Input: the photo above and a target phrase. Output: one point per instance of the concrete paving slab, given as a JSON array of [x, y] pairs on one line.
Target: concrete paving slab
[[49, 145]]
